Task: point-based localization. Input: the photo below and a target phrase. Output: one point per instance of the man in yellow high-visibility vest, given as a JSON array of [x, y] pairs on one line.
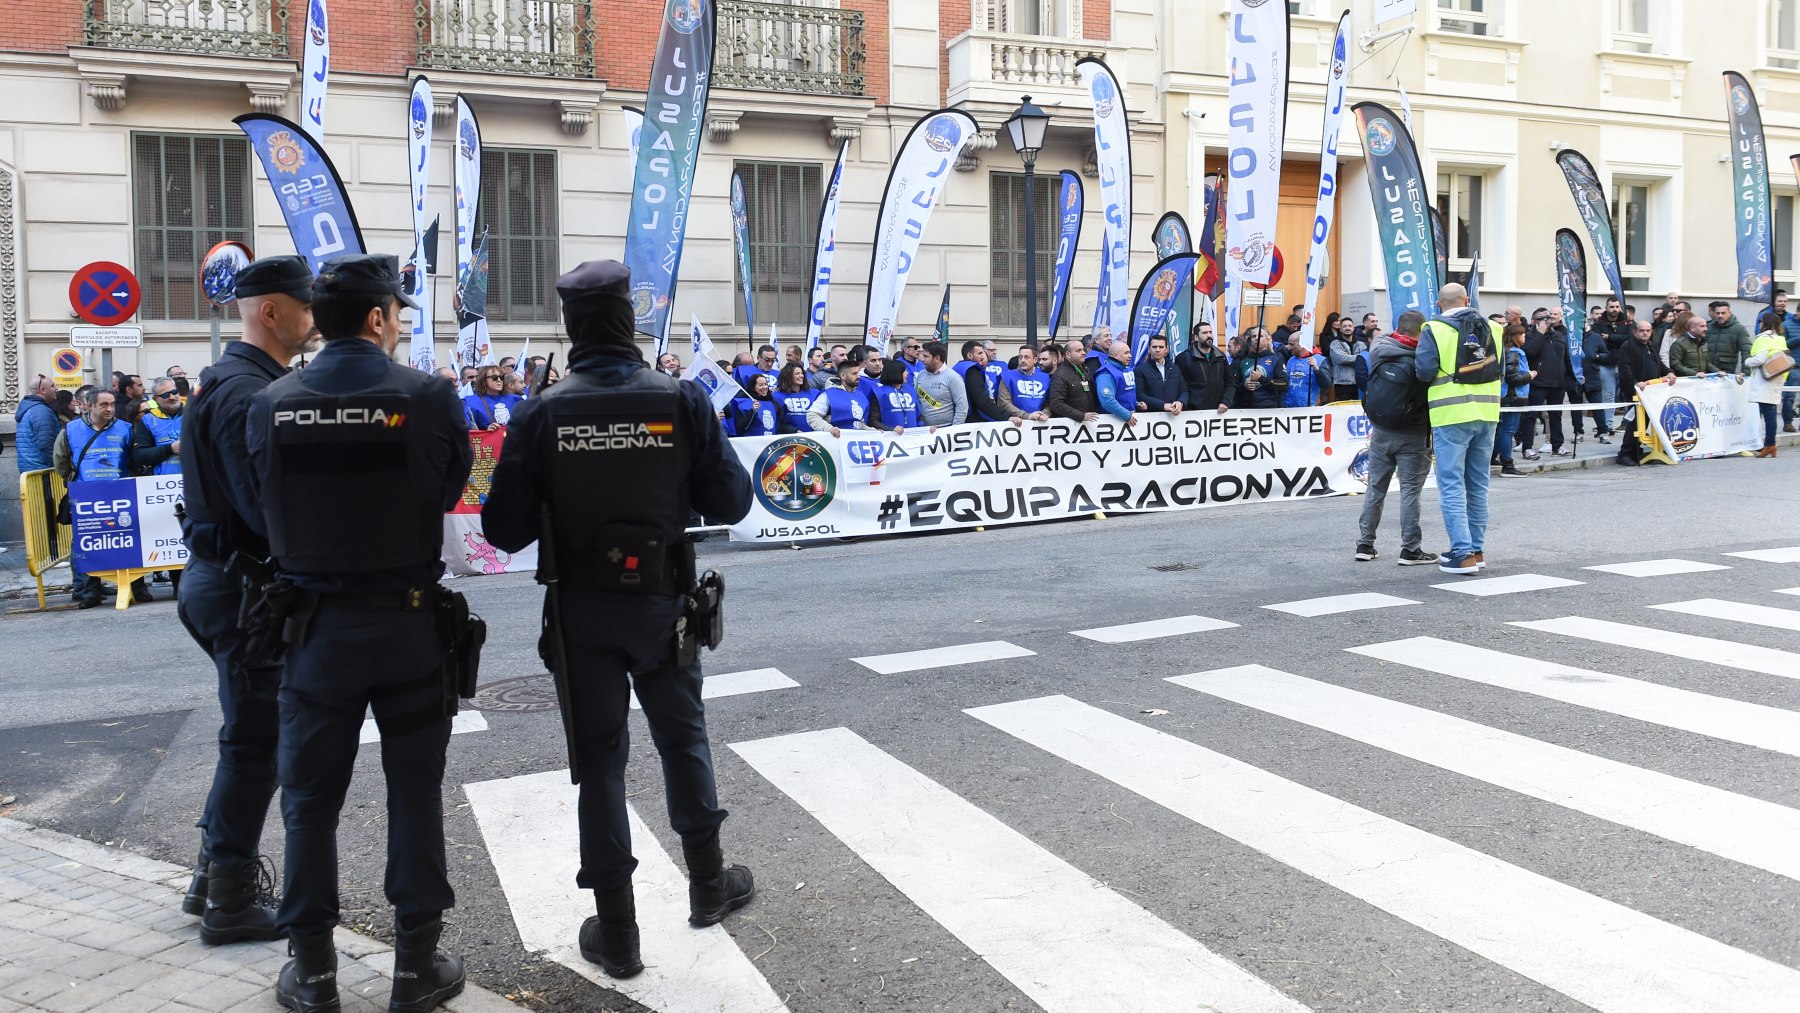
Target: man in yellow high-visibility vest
[[1463, 378]]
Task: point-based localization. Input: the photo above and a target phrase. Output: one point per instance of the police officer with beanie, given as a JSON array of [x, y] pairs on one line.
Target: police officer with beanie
[[616, 552], [356, 460], [227, 557]]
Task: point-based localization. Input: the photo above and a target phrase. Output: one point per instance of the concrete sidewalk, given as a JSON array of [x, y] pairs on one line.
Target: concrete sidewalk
[[84, 927]]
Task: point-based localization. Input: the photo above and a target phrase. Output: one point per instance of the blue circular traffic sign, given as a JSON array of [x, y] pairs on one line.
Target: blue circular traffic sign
[[104, 294]]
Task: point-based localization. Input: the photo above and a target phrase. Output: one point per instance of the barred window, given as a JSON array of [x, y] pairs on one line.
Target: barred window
[[781, 200], [518, 212], [189, 193], [1006, 246]]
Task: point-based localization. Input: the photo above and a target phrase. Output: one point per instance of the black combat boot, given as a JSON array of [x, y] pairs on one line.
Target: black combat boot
[[195, 901], [240, 906], [308, 983], [610, 938], [423, 977], [714, 889]]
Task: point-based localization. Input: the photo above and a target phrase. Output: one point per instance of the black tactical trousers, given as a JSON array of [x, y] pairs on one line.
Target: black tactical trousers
[[633, 645], [244, 780], [352, 660]]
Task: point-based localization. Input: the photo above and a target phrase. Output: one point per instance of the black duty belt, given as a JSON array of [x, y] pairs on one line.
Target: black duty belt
[[413, 600]]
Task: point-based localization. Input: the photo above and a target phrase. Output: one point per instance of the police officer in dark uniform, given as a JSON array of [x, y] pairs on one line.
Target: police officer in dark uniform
[[225, 553], [357, 459], [602, 470]]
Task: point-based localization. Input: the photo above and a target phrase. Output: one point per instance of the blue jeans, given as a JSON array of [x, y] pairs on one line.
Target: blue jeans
[[1463, 452], [1503, 436], [1609, 384]]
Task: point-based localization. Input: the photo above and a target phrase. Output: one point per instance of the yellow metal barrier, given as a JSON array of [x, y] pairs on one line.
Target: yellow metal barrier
[[46, 543]]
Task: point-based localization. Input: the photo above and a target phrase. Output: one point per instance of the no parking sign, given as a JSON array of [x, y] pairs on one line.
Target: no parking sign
[[65, 368], [104, 294]]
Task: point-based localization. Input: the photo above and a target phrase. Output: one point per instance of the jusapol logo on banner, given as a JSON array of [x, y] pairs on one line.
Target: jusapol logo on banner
[[127, 524], [873, 483]]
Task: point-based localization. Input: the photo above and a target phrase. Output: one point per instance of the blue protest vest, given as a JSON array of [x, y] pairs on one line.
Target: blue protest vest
[[756, 418], [962, 370], [1124, 383], [994, 370], [1028, 390], [1303, 383], [846, 408], [166, 431], [899, 405], [794, 408], [912, 368], [106, 458]]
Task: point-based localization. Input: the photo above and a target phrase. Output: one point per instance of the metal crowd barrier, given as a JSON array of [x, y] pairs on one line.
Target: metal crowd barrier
[[46, 542]]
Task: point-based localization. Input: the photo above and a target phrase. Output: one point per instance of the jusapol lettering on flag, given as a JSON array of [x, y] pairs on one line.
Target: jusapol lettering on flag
[[1750, 189], [1402, 212], [663, 184], [1326, 209], [1257, 46], [1112, 155], [828, 219]]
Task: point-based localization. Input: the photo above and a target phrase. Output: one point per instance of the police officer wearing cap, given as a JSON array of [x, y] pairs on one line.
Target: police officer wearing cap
[[225, 553], [603, 470], [357, 459]]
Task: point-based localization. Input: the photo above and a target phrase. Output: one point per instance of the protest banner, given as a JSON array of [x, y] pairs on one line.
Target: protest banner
[[466, 550], [869, 482], [127, 524], [1701, 416]]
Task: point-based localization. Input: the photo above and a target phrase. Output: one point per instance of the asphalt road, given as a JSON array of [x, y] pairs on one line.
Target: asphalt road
[[1053, 855]]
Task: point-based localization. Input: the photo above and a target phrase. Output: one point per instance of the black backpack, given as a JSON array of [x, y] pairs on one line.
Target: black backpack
[[1477, 358], [1395, 398]]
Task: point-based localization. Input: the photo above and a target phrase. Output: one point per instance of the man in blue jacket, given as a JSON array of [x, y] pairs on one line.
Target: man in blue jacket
[[1160, 386]]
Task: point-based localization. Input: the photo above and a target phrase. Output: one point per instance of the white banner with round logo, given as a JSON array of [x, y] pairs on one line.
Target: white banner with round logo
[[1702, 416], [870, 482]]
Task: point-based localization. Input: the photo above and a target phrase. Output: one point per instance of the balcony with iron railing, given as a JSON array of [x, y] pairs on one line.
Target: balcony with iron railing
[[765, 46], [544, 38], [227, 27]]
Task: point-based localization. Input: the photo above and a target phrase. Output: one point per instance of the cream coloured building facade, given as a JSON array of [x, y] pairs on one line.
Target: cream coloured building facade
[[104, 147]]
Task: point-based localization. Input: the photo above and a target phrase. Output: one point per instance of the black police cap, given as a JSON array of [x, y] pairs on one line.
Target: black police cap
[[595, 280], [364, 274], [276, 275]]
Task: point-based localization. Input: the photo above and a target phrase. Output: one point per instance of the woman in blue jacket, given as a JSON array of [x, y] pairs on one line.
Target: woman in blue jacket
[[490, 407]]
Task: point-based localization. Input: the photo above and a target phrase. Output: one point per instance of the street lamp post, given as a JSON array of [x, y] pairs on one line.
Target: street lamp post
[[1027, 128]]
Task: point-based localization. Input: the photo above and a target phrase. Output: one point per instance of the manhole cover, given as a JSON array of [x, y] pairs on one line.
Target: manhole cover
[[1175, 567], [523, 695]]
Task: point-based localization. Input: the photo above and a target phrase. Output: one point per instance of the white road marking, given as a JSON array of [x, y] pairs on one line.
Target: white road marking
[[1746, 657], [942, 657], [1729, 825], [1791, 554], [1772, 728], [1657, 567], [534, 842], [1483, 587], [1598, 952], [1153, 629], [1066, 941], [1787, 590], [758, 680], [1737, 612], [1312, 608], [464, 722]]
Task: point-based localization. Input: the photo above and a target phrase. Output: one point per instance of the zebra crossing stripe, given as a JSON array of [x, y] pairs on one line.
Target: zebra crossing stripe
[[1772, 728], [1513, 583], [1312, 608], [1745, 657], [1597, 952], [1736, 612], [1066, 941], [759, 680], [1153, 629], [1657, 567], [534, 843], [1791, 554], [464, 722], [942, 657], [1729, 825]]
